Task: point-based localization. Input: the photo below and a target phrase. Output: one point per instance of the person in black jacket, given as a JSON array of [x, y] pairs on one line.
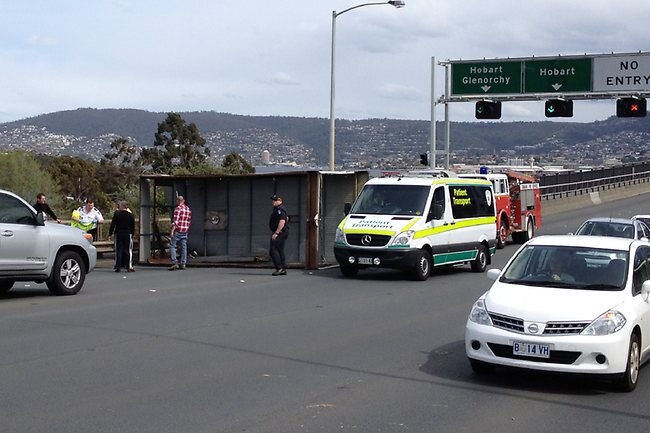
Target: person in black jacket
[[123, 226], [280, 233], [42, 206]]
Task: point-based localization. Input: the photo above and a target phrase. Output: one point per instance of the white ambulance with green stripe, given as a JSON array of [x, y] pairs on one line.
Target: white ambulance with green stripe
[[416, 223]]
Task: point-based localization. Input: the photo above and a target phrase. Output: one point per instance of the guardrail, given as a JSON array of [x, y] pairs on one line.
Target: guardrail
[[551, 191]]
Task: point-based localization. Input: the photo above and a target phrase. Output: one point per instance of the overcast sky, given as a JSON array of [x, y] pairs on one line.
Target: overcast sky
[[272, 57]]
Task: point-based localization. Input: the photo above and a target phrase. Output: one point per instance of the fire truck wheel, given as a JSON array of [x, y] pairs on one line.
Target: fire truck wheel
[[481, 261], [530, 230], [502, 235]]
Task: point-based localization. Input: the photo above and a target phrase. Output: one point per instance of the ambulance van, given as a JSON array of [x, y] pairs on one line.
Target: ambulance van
[[416, 223]]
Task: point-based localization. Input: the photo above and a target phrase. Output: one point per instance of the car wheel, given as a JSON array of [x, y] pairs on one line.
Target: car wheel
[[630, 378], [68, 274], [480, 367], [480, 262], [423, 266], [502, 235], [5, 286], [349, 270]]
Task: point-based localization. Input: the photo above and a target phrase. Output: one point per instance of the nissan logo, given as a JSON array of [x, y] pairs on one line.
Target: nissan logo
[[533, 328], [366, 239]]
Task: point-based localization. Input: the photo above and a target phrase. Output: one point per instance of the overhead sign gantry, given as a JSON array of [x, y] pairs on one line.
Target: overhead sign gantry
[[558, 80], [586, 77]]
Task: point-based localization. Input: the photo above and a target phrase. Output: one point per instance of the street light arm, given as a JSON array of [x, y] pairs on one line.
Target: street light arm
[[397, 4]]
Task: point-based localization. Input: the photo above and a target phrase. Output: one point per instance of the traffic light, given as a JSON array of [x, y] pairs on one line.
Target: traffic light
[[488, 110], [424, 158], [559, 108], [631, 107]]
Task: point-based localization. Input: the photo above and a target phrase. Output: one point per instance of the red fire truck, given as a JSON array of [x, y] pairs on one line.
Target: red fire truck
[[518, 203]]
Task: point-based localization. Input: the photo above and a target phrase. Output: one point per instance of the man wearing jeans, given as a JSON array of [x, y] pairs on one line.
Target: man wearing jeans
[[180, 227]]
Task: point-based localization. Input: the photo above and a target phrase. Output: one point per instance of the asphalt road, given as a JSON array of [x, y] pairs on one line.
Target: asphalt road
[[235, 350]]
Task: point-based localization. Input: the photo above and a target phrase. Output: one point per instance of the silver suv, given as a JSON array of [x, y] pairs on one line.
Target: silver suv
[[32, 250]]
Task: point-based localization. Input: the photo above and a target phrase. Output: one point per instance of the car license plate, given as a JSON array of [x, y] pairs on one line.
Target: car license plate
[[365, 261], [522, 348]]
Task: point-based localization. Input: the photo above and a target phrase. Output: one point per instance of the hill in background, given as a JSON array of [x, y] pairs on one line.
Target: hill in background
[[372, 143]]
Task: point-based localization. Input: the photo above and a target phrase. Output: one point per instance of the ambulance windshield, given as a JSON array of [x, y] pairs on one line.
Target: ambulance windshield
[[392, 200]]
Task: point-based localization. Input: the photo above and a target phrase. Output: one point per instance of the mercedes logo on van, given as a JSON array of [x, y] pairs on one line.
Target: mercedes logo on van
[[366, 239], [533, 328]]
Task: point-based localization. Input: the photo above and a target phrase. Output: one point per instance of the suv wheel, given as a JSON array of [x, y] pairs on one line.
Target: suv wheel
[[5, 286], [68, 274]]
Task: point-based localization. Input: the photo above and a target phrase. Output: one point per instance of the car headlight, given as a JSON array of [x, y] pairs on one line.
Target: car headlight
[[479, 313], [339, 238], [609, 323], [404, 238]]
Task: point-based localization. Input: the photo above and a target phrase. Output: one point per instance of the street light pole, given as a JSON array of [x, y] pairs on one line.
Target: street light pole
[[396, 3]]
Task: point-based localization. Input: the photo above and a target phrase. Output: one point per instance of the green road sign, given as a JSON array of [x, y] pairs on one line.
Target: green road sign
[[558, 75], [486, 78]]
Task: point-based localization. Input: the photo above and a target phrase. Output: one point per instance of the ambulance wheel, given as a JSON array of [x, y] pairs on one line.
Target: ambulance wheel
[[481, 261], [502, 235], [423, 266], [349, 270]]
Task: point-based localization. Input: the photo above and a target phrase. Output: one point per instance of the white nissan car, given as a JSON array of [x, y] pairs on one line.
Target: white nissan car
[[575, 304]]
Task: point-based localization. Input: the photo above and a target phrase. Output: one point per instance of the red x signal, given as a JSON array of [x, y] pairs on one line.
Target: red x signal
[[631, 107]]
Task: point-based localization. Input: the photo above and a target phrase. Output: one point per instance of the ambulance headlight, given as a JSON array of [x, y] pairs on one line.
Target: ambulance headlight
[[403, 239], [339, 238]]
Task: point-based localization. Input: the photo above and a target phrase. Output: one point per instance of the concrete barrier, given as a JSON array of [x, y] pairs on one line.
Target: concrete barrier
[[587, 198]]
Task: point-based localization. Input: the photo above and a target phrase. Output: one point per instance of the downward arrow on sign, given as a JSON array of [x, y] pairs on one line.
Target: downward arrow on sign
[[556, 86], [486, 88]]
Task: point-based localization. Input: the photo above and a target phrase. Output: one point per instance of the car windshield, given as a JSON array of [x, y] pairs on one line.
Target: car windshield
[[606, 228], [644, 220], [568, 267], [392, 200]]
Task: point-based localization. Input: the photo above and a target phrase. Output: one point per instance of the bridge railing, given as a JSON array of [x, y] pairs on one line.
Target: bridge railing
[[578, 183]]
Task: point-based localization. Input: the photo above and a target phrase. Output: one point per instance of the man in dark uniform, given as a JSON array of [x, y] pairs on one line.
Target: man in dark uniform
[[123, 226], [42, 206], [280, 232]]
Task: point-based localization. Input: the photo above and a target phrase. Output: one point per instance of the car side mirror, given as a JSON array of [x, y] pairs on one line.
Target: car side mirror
[[493, 274], [347, 208], [645, 290], [40, 219]]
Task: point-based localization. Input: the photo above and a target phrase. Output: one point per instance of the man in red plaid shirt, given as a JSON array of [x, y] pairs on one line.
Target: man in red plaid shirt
[[179, 229]]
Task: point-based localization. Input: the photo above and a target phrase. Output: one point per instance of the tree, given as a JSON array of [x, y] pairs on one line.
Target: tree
[[119, 171], [80, 179], [22, 174], [234, 163], [176, 145]]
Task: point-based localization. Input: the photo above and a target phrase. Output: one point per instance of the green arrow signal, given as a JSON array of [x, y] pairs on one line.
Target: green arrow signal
[[551, 109]]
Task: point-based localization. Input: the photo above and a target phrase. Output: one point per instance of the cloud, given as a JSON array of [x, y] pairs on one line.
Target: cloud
[[41, 41], [280, 78], [401, 92]]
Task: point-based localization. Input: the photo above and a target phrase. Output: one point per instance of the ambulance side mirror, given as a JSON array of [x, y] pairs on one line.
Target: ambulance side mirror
[[436, 212], [346, 208]]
